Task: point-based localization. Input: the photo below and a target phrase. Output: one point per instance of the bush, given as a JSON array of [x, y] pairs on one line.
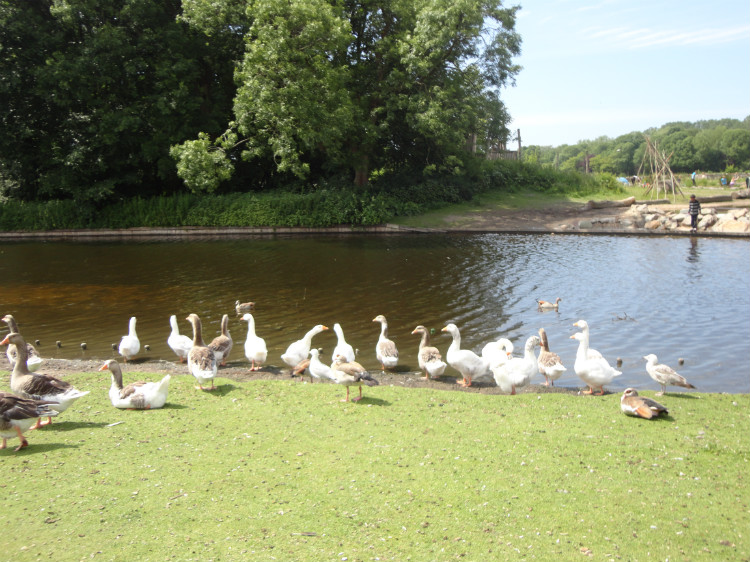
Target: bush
[[336, 202]]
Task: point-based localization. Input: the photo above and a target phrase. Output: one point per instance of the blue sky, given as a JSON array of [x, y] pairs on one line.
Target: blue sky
[[609, 67]]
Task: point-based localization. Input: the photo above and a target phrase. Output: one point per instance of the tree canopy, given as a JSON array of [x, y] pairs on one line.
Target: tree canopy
[[713, 145], [120, 97]]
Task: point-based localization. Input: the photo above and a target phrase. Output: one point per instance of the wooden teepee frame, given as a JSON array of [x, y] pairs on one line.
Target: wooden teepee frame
[[661, 174]]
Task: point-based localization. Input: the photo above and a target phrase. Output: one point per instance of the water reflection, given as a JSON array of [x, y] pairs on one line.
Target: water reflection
[[693, 253], [636, 296]]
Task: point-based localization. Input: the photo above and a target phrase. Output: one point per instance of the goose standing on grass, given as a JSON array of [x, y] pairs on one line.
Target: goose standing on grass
[[342, 348], [549, 363], [255, 347], [429, 358], [138, 395], [318, 369], [664, 375], [33, 360], [37, 386], [130, 345], [201, 359], [590, 366], [351, 373], [299, 350], [222, 344], [385, 349], [18, 414], [180, 344], [497, 352], [471, 366], [518, 371], [242, 307], [640, 406], [546, 305]]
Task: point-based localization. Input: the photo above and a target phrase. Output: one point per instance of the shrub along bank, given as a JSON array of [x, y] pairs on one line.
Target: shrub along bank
[[320, 205]]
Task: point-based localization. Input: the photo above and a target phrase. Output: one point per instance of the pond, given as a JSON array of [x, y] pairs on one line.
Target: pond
[[680, 297]]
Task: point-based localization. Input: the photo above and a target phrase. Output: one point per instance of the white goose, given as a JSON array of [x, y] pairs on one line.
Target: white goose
[[385, 349], [17, 414], [33, 360], [351, 373], [201, 359], [299, 350], [130, 345], [342, 348], [180, 344], [255, 347], [664, 374], [497, 352], [471, 366], [39, 386], [590, 366], [317, 368], [222, 344], [429, 358], [549, 363], [138, 395], [518, 371]]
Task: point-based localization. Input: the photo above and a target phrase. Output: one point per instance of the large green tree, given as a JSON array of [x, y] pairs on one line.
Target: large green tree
[[329, 85], [93, 93]]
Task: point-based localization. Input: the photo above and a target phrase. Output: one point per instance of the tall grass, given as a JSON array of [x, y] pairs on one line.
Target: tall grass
[[280, 470]]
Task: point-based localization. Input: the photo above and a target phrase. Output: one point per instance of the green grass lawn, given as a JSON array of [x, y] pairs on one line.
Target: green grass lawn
[[280, 470]]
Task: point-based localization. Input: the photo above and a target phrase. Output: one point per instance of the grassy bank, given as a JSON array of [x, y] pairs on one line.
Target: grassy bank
[[320, 205], [271, 470]]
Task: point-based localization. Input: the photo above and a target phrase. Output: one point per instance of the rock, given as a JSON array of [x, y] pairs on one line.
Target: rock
[[733, 226], [585, 224], [741, 194], [707, 221], [652, 225], [626, 223], [708, 211], [737, 213], [678, 218]]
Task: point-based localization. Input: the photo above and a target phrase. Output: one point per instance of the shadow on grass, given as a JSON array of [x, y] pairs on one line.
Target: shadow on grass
[[34, 449], [373, 401], [220, 390], [684, 395], [70, 426]]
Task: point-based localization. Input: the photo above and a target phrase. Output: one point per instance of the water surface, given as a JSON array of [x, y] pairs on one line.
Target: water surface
[[675, 297]]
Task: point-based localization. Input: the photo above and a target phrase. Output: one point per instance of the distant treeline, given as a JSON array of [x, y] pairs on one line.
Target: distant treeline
[[721, 145]]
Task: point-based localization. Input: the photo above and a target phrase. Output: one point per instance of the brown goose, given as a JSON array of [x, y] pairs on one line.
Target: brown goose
[[201, 359], [549, 363], [17, 414], [429, 358], [33, 360], [546, 305], [243, 307], [222, 344], [640, 406], [349, 374], [385, 349], [61, 394]]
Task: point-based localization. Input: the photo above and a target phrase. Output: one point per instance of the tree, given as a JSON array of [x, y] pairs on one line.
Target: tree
[[368, 85], [94, 93], [735, 144]]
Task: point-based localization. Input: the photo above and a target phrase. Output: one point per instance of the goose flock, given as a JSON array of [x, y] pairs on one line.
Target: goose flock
[[36, 395]]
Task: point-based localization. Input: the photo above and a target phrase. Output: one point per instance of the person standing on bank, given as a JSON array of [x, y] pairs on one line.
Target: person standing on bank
[[694, 210], [693, 177]]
